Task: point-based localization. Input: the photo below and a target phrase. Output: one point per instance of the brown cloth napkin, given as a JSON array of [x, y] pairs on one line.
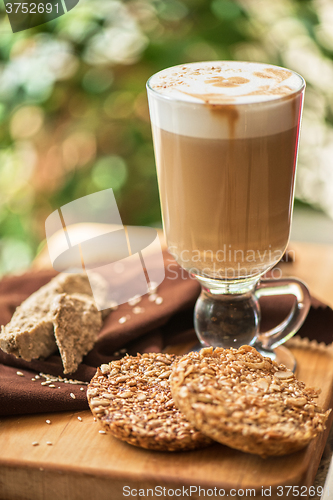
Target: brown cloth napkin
[[159, 325]]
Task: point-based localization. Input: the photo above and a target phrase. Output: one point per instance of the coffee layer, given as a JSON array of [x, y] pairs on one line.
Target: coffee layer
[[226, 203]]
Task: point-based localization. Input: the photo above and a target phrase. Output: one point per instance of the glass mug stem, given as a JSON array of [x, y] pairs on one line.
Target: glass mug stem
[[231, 318]]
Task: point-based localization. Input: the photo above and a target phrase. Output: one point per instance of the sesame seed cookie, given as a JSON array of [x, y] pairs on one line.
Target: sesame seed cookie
[[132, 400], [246, 401]]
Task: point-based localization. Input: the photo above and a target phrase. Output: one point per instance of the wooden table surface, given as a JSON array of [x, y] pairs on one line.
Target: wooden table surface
[[314, 265], [82, 463]]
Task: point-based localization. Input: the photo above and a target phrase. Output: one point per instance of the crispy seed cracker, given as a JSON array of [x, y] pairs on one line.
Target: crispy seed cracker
[[246, 401], [132, 400]]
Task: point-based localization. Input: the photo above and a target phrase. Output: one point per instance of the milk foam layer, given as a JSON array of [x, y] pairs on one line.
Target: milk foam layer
[[225, 99]]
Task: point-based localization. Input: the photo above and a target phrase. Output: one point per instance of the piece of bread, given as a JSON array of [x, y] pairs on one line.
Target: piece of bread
[[131, 398], [246, 401], [76, 323], [30, 333]]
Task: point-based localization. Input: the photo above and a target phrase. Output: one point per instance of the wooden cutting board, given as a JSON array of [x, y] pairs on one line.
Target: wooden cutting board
[[81, 463]]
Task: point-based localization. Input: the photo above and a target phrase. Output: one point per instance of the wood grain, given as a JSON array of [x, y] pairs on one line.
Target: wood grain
[[81, 463]]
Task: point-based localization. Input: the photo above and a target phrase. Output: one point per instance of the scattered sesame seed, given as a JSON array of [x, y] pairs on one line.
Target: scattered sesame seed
[[116, 353], [122, 351], [152, 297], [122, 320], [20, 374], [95, 419], [35, 443], [37, 377], [48, 421], [43, 383], [81, 388], [49, 379], [159, 300], [79, 418], [102, 432], [33, 380], [72, 395], [51, 385], [49, 443]]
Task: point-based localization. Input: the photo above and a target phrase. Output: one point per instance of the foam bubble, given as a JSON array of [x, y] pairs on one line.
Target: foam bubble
[[228, 99]]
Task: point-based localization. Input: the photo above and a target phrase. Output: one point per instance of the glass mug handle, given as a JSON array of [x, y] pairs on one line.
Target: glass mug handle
[[288, 327]]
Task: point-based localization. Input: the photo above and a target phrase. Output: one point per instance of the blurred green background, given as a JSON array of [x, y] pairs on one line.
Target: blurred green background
[[73, 107]]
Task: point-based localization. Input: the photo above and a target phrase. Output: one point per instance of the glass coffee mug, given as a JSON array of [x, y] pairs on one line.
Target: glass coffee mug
[[225, 137]]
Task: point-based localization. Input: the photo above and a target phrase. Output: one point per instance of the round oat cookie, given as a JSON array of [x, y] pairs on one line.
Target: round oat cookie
[[131, 398], [246, 401]]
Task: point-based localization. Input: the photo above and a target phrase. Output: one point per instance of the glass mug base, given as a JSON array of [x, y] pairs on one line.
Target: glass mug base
[[228, 315]]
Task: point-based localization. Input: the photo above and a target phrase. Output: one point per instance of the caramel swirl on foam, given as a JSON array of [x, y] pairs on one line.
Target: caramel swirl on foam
[[234, 81], [277, 74]]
